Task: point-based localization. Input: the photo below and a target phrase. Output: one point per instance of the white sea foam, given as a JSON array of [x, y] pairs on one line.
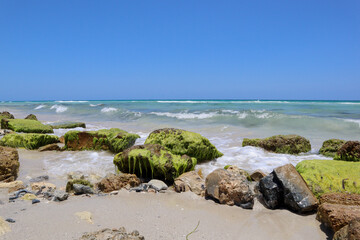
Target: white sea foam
[[188, 101], [242, 115], [350, 103], [353, 121], [95, 105], [186, 115], [108, 109], [40, 107], [59, 108], [72, 101]]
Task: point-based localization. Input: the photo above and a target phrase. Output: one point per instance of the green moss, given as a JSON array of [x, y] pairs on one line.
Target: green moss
[[6, 115], [114, 139], [28, 140], [324, 176], [184, 142], [68, 125], [153, 161], [70, 184], [26, 126], [290, 144], [349, 151], [330, 147], [227, 166]]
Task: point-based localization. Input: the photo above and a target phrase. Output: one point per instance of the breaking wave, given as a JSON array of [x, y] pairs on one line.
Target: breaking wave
[[59, 108]]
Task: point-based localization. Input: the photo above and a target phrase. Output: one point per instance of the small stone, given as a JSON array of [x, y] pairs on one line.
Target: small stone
[[35, 201], [151, 190], [114, 193], [10, 220], [28, 196], [158, 185], [60, 196], [43, 186], [82, 189]]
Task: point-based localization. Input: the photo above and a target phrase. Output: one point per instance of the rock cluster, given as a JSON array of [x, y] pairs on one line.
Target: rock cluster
[[112, 234], [331, 147]]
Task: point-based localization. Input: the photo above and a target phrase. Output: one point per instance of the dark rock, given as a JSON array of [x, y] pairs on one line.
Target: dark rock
[[9, 164], [59, 196], [49, 147], [82, 189], [271, 191], [10, 220], [31, 117], [349, 232], [6, 115], [117, 182], [349, 151], [34, 201], [143, 187], [70, 184]]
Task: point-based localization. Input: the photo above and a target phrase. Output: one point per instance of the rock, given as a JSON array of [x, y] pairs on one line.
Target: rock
[[330, 147], [4, 227], [143, 187], [28, 140], [337, 216], [25, 126], [257, 175], [5, 131], [91, 178], [43, 186], [236, 171], [349, 232], [34, 201], [10, 220], [349, 151], [114, 139], [85, 215], [181, 142], [229, 188], [297, 196], [112, 234], [325, 176], [190, 181], [158, 185], [9, 164], [12, 186], [50, 147], [67, 125], [70, 184], [117, 182], [290, 144], [82, 189], [6, 115], [31, 117], [341, 198], [59, 196], [40, 178], [28, 196], [153, 161], [271, 191], [62, 139]]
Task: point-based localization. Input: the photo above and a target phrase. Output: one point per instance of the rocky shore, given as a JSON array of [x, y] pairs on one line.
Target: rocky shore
[[156, 192]]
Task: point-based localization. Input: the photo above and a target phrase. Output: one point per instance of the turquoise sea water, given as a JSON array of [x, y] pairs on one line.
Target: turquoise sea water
[[224, 122]]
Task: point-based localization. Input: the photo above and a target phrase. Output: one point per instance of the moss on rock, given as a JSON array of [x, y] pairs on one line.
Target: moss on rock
[[25, 125], [349, 151], [328, 176], [28, 140], [183, 142], [70, 184], [6, 115], [31, 117], [67, 125], [330, 147], [290, 144], [153, 161], [114, 139]]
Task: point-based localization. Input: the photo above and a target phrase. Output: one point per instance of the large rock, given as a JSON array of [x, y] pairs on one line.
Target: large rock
[[112, 234], [67, 125], [9, 164], [349, 151], [349, 232], [341, 198], [324, 176], [229, 188], [284, 187], [28, 140], [6, 115], [182, 142], [153, 161], [330, 147], [117, 182], [190, 181], [337, 216], [290, 144], [31, 117], [114, 139], [26, 126]]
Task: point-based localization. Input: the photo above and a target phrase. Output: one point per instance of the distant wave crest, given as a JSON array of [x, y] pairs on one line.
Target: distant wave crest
[[40, 107], [108, 109], [59, 108]]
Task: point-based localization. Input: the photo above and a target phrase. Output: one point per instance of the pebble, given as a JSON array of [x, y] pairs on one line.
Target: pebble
[[10, 220], [35, 201]]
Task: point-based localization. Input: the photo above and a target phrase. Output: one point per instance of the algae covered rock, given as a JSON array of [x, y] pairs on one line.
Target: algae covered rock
[[153, 161], [70, 184], [28, 140], [25, 125], [330, 147], [325, 176], [67, 125], [182, 142], [290, 144], [31, 117], [114, 139], [349, 151], [6, 115]]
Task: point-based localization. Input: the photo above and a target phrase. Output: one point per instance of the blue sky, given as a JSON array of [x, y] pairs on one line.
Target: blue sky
[[51, 50]]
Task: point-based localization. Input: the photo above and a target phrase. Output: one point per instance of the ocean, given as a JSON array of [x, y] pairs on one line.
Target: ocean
[[225, 122]]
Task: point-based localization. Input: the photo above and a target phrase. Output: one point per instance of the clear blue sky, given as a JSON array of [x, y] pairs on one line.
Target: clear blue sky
[[83, 49]]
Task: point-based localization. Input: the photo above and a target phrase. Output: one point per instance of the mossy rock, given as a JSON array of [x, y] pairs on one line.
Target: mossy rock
[[68, 125], [31, 117], [114, 139], [6, 115], [328, 176], [153, 161], [330, 147], [290, 144], [28, 140], [349, 151], [70, 184], [183, 142], [25, 125]]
